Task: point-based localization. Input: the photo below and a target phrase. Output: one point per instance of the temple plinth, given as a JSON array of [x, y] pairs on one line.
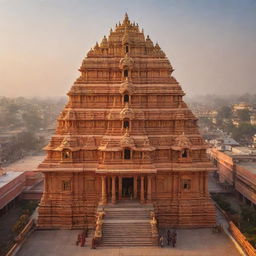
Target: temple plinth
[[126, 134]]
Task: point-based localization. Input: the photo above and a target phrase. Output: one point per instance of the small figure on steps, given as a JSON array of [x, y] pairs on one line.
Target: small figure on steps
[[161, 241]]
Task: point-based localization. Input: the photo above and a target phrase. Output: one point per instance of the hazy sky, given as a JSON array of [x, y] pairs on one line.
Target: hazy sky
[[210, 43]]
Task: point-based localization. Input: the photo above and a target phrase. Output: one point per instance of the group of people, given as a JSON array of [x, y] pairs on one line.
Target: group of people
[[171, 238], [81, 238]]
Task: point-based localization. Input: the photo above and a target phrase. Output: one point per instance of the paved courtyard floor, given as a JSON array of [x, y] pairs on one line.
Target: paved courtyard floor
[[190, 242]]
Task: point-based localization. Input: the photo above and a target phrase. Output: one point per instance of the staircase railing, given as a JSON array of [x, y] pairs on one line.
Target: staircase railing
[[98, 230], [153, 223]]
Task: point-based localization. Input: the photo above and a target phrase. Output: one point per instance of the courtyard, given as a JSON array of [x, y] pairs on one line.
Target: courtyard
[[190, 242]]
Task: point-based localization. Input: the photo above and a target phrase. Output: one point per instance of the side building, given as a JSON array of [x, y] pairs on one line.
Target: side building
[[237, 168]]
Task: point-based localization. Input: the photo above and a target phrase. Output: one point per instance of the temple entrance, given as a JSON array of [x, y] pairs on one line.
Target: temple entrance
[[127, 188]]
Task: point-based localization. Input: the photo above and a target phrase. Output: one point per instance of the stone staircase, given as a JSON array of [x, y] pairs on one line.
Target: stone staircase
[[127, 224]]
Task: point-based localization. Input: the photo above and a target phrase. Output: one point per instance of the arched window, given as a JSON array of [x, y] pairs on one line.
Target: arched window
[[127, 153], [125, 73], [186, 184], [126, 124], [126, 48], [126, 98], [184, 153], [66, 154], [66, 185]]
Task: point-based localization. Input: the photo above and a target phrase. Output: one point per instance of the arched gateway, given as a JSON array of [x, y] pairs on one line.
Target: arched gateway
[[126, 134]]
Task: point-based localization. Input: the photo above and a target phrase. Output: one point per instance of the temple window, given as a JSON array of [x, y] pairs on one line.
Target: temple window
[[126, 98], [66, 154], [127, 153], [184, 153], [125, 73], [126, 124], [66, 185], [186, 184], [126, 48]]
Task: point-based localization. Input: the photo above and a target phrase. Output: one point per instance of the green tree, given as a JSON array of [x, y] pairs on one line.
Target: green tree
[[243, 115], [32, 120], [243, 131], [224, 112]]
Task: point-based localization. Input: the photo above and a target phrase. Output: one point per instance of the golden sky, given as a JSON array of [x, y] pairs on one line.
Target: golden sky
[[211, 44]]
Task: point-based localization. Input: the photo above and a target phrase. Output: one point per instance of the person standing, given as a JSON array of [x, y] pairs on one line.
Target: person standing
[[161, 241], [174, 238], [169, 238]]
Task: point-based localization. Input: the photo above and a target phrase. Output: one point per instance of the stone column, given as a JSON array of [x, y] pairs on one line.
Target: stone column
[[103, 190], [120, 180], [135, 187], [142, 198], [205, 182], [113, 190], [109, 186], [149, 190]]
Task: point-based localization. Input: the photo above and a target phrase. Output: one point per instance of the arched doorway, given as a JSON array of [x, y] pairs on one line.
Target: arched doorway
[[127, 188]]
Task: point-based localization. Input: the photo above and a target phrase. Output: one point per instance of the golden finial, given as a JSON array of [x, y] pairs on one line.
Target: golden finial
[[126, 20]]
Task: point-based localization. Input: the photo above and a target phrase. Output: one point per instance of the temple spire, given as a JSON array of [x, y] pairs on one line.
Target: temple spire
[[126, 20]]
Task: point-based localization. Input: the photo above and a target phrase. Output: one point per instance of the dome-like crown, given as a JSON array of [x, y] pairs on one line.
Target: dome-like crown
[[127, 141], [126, 112]]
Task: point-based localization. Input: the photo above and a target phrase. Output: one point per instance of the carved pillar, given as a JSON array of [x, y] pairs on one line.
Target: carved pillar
[[142, 198], [135, 187], [109, 186], [103, 190], [120, 180], [206, 182], [149, 190], [113, 190]]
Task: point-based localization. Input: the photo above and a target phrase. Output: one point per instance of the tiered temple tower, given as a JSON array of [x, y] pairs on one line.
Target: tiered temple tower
[[126, 133]]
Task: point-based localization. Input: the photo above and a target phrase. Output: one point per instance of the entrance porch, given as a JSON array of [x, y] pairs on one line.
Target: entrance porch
[[126, 187]]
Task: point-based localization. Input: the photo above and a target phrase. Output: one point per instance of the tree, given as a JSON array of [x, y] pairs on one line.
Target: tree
[[243, 131], [224, 112], [243, 115], [32, 120]]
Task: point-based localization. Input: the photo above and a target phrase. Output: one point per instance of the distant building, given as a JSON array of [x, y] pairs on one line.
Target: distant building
[[224, 144], [236, 122], [213, 116], [238, 169], [18, 180], [253, 119], [11, 186], [241, 106], [254, 141]]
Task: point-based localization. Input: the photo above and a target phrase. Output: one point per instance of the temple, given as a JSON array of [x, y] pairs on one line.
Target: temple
[[126, 135]]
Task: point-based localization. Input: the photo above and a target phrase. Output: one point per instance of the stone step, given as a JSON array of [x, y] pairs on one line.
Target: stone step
[[127, 231], [127, 218], [131, 237], [131, 208], [144, 240], [127, 224], [127, 244]]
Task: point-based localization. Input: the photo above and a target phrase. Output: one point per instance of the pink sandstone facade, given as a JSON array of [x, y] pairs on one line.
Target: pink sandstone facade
[[236, 171], [126, 133]]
